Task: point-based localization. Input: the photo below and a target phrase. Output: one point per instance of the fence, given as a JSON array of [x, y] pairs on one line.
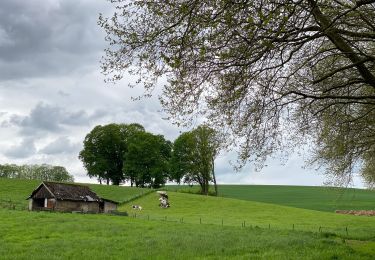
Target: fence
[[342, 231]]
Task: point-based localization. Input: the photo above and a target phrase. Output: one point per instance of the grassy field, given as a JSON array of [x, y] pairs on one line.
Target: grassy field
[[195, 227], [198, 209], [76, 236], [17, 190], [317, 198]]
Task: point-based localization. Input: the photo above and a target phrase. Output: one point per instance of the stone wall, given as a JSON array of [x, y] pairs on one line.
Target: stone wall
[[109, 206]]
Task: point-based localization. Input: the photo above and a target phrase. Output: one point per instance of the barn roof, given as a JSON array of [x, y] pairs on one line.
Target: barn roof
[[65, 191]]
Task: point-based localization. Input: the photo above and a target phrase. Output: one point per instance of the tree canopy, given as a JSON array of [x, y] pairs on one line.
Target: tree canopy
[[103, 151], [146, 162], [119, 152], [193, 157], [271, 74], [42, 172]]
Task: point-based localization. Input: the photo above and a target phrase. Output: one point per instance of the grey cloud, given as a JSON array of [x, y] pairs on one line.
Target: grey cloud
[[63, 94], [23, 150], [59, 146], [48, 118], [44, 38]]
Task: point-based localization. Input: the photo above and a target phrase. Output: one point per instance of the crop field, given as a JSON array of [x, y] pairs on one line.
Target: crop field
[[316, 198], [194, 227]]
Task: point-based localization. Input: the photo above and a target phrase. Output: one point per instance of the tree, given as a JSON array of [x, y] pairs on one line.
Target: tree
[[271, 74], [146, 161], [193, 157], [103, 151], [43, 172]]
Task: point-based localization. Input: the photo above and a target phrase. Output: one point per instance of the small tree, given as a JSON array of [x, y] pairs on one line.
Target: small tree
[[193, 157]]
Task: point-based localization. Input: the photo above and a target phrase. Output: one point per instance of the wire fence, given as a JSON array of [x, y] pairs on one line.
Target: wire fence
[[341, 231]]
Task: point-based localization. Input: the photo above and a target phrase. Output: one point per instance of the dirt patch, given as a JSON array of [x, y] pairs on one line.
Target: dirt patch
[[357, 212]]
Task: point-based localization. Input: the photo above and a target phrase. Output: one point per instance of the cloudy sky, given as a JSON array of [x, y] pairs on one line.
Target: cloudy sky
[[52, 93]]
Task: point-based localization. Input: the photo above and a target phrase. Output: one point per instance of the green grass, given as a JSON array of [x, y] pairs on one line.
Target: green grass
[[76, 236], [195, 227], [17, 190], [197, 209], [317, 198]]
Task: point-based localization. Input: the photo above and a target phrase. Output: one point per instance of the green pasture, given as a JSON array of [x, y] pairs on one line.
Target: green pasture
[[17, 190], [43, 235], [196, 209], [307, 197], [194, 227]]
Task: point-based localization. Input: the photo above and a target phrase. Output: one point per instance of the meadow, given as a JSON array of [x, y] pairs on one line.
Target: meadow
[[18, 190], [195, 227], [307, 197]]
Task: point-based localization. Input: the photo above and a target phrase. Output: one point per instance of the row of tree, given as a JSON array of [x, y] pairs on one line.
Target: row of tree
[[43, 172], [126, 152]]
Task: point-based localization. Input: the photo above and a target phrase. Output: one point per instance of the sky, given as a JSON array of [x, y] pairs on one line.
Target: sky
[[52, 94]]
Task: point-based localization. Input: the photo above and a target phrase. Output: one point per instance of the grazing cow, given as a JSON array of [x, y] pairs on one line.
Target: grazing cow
[[137, 207]]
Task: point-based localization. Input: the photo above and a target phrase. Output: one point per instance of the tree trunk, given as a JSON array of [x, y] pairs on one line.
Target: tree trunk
[[213, 176]]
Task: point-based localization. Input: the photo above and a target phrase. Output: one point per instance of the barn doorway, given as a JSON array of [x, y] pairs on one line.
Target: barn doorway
[[39, 203]]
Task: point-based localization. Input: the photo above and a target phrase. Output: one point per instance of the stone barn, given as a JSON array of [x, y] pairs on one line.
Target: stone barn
[[68, 198]]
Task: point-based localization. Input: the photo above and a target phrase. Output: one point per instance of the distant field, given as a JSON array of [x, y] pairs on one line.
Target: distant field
[[17, 190], [317, 198]]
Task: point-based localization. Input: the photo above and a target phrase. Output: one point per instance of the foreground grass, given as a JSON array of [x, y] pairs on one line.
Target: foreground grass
[[195, 209], [317, 198], [17, 190], [76, 236]]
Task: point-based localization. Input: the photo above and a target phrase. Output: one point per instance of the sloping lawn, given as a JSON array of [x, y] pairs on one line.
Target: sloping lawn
[[317, 198], [191, 208], [17, 191]]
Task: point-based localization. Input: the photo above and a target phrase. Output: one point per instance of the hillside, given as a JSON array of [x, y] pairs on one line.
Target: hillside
[[195, 227], [233, 212], [17, 190], [308, 197]]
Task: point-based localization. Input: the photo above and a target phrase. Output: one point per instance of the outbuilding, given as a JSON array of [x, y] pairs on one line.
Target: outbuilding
[[55, 196]]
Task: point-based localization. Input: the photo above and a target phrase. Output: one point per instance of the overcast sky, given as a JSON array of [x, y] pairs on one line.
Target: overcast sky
[[52, 93]]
